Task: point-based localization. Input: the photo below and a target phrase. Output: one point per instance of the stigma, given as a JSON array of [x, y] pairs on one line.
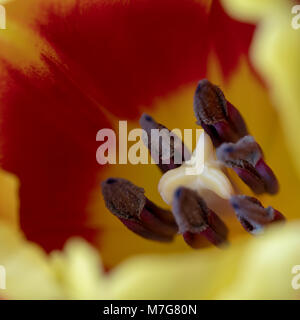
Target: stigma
[[202, 172]]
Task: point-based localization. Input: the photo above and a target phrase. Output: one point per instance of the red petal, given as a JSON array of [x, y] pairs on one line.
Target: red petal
[[230, 38], [137, 51], [49, 141]]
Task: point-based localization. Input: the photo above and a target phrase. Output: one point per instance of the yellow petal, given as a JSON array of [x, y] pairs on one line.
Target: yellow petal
[[74, 273], [265, 270], [275, 52], [260, 268], [79, 271], [251, 10], [5, 1], [253, 268], [28, 273]]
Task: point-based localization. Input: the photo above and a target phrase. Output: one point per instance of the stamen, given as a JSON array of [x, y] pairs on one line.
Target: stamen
[[246, 159], [195, 219], [128, 202], [252, 215], [218, 117], [177, 153], [185, 183]]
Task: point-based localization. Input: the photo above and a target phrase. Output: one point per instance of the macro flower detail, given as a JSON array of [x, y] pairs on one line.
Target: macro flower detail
[[71, 68], [184, 187], [136, 212], [217, 116], [246, 158], [170, 152], [195, 219], [200, 173], [252, 215]]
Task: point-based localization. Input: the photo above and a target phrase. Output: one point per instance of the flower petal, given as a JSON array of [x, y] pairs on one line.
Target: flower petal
[[257, 269], [275, 53]]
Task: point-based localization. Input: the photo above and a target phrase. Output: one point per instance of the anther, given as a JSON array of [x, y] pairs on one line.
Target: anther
[[218, 117], [246, 159], [195, 219], [168, 151], [252, 215], [128, 202]]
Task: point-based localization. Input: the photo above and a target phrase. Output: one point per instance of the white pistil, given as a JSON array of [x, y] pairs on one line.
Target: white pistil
[[202, 172]]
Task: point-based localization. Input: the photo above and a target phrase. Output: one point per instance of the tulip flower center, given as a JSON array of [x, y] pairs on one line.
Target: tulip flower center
[[225, 143]]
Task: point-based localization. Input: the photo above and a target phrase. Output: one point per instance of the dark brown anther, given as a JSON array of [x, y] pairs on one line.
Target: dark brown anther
[[128, 202], [167, 150], [218, 117], [246, 159], [252, 215], [195, 219]]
